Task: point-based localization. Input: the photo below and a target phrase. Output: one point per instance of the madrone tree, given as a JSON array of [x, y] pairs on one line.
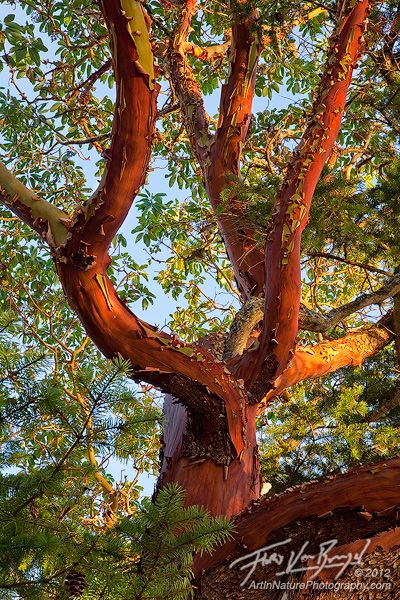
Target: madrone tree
[[303, 199]]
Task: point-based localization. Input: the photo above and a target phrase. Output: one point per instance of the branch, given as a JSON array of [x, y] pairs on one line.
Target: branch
[[133, 126], [330, 509], [187, 89], [207, 53], [312, 321], [192, 375], [91, 80], [225, 157], [384, 408], [242, 327], [46, 219], [396, 324], [252, 313], [220, 157], [315, 361], [283, 283], [89, 140]]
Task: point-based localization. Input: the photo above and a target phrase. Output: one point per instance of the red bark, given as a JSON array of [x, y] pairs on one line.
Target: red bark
[[315, 361], [282, 252], [94, 227], [210, 438], [225, 489], [217, 434], [372, 489], [83, 262], [219, 156], [223, 164]]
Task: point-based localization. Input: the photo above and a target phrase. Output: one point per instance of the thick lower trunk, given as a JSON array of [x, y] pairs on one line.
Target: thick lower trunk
[[224, 489]]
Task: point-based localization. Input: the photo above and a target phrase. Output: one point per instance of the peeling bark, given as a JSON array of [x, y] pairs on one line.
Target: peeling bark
[[210, 445], [316, 361], [261, 366], [358, 505], [220, 156], [225, 155], [225, 488]]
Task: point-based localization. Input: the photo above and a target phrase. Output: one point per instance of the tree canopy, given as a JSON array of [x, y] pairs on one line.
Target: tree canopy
[[259, 143]]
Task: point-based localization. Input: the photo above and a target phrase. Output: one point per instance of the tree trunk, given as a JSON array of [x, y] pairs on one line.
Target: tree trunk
[[209, 438], [224, 489]]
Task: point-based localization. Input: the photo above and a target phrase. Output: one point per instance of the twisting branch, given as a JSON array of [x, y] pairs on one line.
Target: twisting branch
[[224, 161], [186, 87], [134, 116], [315, 361], [220, 156], [312, 321], [282, 294], [80, 246]]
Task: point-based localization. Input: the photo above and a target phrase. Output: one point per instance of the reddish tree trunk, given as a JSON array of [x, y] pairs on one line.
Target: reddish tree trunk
[[224, 489]]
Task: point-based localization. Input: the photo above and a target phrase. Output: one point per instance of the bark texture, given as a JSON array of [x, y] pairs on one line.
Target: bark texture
[[360, 505]]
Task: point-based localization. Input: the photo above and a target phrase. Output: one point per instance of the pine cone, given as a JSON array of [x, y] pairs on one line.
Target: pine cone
[[34, 510], [75, 584]]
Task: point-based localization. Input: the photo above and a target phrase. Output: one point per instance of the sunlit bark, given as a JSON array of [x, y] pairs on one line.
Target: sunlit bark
[[282, 252]]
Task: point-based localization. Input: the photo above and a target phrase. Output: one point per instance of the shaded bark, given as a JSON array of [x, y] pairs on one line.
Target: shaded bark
[[223, 164], [356, 506], [219, 156], [225, 489], [380, 566]]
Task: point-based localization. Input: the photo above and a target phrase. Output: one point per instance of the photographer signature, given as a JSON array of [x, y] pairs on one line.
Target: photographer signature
[[294, 563]]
